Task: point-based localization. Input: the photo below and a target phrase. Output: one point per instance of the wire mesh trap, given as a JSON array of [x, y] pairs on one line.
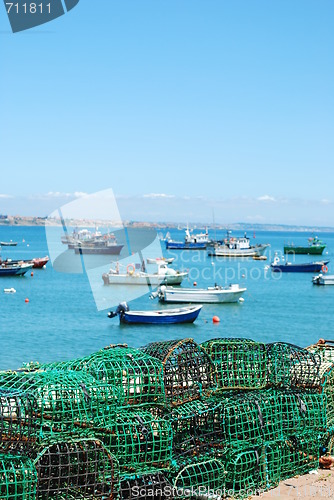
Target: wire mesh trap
[[17, 411], [197, 427], [18, 478], [292, 366], [83, 468], [138, 375], [300, 454], [199, 478], [149, 486], [302, 412], [240, 363], [55, 402], [188, 370], [141, 440], [249, 418], [250, 471]]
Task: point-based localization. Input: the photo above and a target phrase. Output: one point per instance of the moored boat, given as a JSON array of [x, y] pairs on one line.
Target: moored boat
[[160, 260], [210, 295], [99, 247], [40, 262], [304, 267], [14, 269], [315, 247], [8, 243], [323, 279], [164, 275], [237, 247], [158, 317], [191, 242], [36, 263]]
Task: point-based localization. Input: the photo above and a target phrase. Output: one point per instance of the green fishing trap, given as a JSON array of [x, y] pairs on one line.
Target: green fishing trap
[[18, 478], [300, 454], [149, 486], [141, 440], [302, 412], [195, 478], [248, 418], [82, 468], [137, 376], [188, 371], [197, 427], [54, 402], [240, 363], [291, 366], [250, 471]]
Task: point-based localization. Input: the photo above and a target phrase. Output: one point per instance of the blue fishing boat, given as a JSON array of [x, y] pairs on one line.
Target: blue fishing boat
[[191, 242], [161, 317], [304, 267], [14, 269]]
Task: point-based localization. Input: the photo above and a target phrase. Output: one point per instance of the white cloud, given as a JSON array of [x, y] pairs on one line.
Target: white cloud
[[158, 195], [59, 194], [266, 197], [325, 201], [5, 196]]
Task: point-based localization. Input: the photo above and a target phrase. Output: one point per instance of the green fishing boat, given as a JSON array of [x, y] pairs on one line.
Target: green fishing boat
[[315, 247]]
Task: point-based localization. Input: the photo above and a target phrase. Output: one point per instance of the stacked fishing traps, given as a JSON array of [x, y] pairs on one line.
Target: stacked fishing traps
[[172, 419]]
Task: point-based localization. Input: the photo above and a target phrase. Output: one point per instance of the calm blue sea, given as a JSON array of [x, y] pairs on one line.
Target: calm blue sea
[[61, 320]]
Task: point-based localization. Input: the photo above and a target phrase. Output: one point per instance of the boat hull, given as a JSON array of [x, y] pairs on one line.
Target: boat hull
[[316, 250], [200, 296], [311, 267], [160, 261], [324, 280], [111, 250], [140, 279], [14, 270], [256, 251], [181, 245], [8, 243], [169, 317]]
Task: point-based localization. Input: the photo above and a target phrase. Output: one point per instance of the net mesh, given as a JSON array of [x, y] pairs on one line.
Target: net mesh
[[188, 370], [149, 486], [240, 363], [18, 478]]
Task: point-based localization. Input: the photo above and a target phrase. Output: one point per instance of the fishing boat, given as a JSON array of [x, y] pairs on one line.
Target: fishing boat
[[323, 279], [315, 247], [191, 242], [159, 260], [14, 269], [8, 243], [159, 317], [304, 267], [134, 276], [102, 245], [77, 236], [36, 263], [237, 247], [210, 295]]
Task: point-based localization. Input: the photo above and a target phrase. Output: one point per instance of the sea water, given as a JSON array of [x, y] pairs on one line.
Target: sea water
[[61, 320]]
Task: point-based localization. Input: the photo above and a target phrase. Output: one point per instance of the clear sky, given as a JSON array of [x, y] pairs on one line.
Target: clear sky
[[224, 104]]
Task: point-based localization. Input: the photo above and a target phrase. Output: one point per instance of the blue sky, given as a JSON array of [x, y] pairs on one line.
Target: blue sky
[[224, 104]]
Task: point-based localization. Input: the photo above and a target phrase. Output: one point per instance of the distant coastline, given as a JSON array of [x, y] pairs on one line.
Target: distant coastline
[[17, 220]]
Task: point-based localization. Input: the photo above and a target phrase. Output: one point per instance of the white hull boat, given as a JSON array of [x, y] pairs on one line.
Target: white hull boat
[[225, 251], [165, 275], [322, 279], [210, 295], [160, 260]]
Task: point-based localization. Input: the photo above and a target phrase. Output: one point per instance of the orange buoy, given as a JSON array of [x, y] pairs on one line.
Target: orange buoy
[[26, 300], [195, 283], [215, 319], [31, 274]]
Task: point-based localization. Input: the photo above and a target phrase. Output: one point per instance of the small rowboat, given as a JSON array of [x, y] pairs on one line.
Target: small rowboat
[[9, 290], [159, 317], [8, 243], [210, 295]]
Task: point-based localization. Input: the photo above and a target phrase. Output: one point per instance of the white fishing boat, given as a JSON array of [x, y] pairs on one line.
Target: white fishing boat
[[210, 295], [160, 260], [323, 279], [237, 247], [132, 276]]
